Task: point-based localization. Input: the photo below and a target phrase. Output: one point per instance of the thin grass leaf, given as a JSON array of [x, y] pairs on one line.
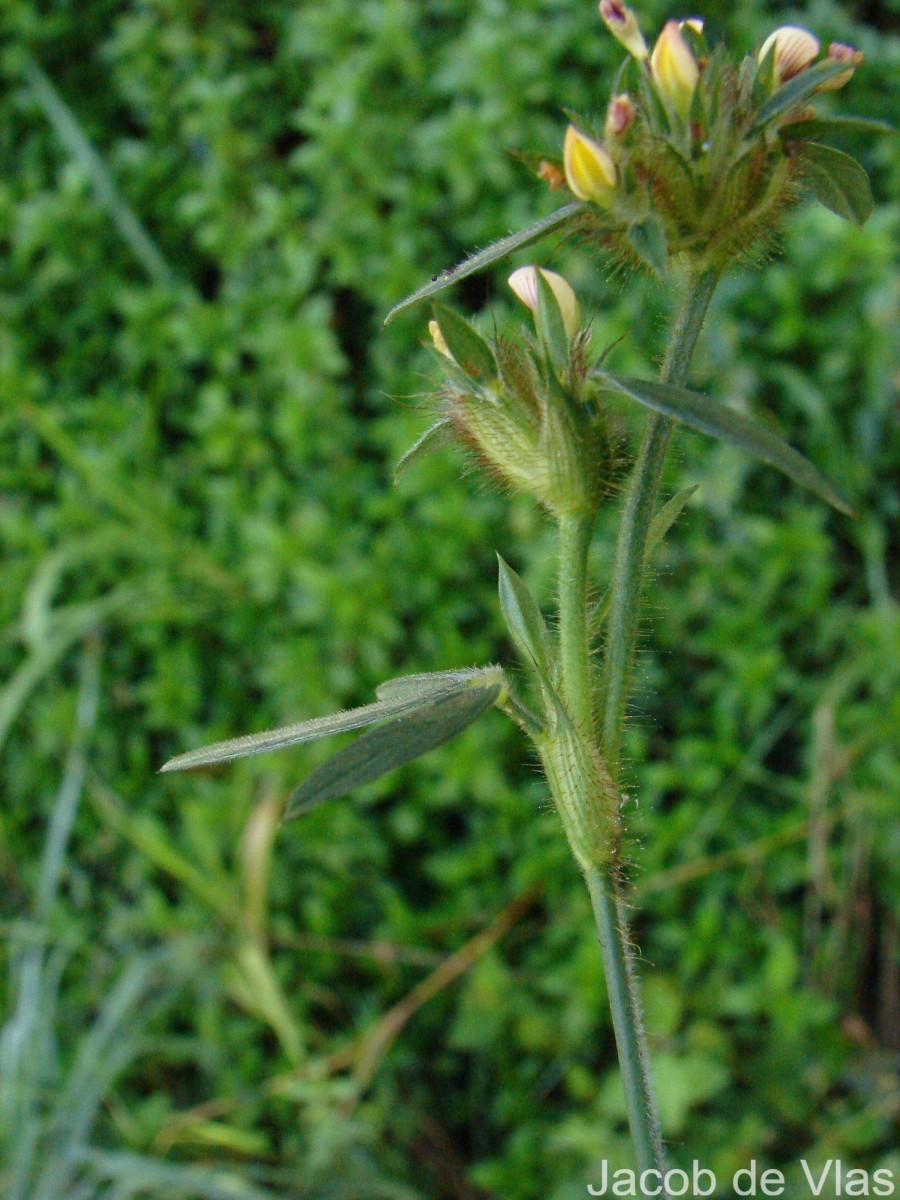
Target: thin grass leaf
[[394, 744], [796, 90], [838, 181], [499, 249], [73, 137], [291, 735], [131, 1175], [436, 435], [708, 416]]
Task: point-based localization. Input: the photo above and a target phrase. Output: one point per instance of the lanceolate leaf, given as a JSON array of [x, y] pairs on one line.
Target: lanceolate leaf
[[477, 262], [435, 683], [469, 349], [706, 415], [393, 744], [832, 126], [838, 182], [436, 435], [648, 240], [524, 620], [293, 735], [551, 327], [796, 90]]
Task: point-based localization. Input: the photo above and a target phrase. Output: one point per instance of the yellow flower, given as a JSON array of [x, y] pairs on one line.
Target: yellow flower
[[590, 172], [794, 49], [622, 24], [524, 283], [838, 52], [438, 338], [674, 68]]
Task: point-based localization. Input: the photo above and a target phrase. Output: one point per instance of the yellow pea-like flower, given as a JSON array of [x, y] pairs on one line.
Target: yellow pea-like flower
[[590, 172], [794, 49], [524, 283], [674, 68]]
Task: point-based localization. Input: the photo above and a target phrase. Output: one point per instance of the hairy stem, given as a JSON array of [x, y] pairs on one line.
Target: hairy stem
[[603, 880], [640, 503]]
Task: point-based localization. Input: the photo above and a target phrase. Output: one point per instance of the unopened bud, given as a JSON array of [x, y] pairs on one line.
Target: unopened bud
[[794, 49], [623, 25], [438, 339], [619, 116], [674, 68], [695, 23], [590, 172], [838, 52], [524, 283]]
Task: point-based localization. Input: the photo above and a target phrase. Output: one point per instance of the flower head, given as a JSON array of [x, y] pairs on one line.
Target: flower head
[[590, 172], [524, 283], [622, 24], [794, 50], [674, 68]]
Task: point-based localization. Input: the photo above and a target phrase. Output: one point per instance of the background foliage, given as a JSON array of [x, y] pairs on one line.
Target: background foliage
[[401, 996]]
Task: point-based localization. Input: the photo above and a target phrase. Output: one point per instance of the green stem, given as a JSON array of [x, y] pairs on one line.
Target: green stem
[[640, 503], [574, 542]]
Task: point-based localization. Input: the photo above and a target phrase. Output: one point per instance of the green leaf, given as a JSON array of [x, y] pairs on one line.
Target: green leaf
[[551, 327], [434, 683], [666, 518], [524, 620], [393, 744], [825, 126], [468, 347], [436, 435], [477, 262], [648, 240], [796, 90], [838, 182], [293, 735], [706, 415]]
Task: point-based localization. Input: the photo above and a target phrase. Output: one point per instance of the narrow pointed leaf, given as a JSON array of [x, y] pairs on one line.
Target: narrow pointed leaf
[[701, 413], [434, 683], [796, 90], [551, 327], [468, 347], [838, 182], [397, 742], [833, 126], [477, 262], [666, 518], [292, 735], [524, 620], [436, 435], [648, 240]]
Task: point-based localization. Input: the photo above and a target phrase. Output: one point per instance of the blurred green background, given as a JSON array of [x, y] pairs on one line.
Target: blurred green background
[[401, 996]]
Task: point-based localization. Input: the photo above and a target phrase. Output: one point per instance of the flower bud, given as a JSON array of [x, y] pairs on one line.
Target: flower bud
[[619, 116], [694, 23], [838, 52], [438, 339], [524, 283], [590, 172], [622, 24], [674, 68], [794, 50]]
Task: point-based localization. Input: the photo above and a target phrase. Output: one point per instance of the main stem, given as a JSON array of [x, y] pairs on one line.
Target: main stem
[[603, 881]]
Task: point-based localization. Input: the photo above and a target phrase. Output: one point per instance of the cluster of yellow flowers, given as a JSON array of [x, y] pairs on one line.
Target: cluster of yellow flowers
[[674, 70]]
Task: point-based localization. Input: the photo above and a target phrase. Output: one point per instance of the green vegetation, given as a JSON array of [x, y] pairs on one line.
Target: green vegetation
[[205, 213]]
